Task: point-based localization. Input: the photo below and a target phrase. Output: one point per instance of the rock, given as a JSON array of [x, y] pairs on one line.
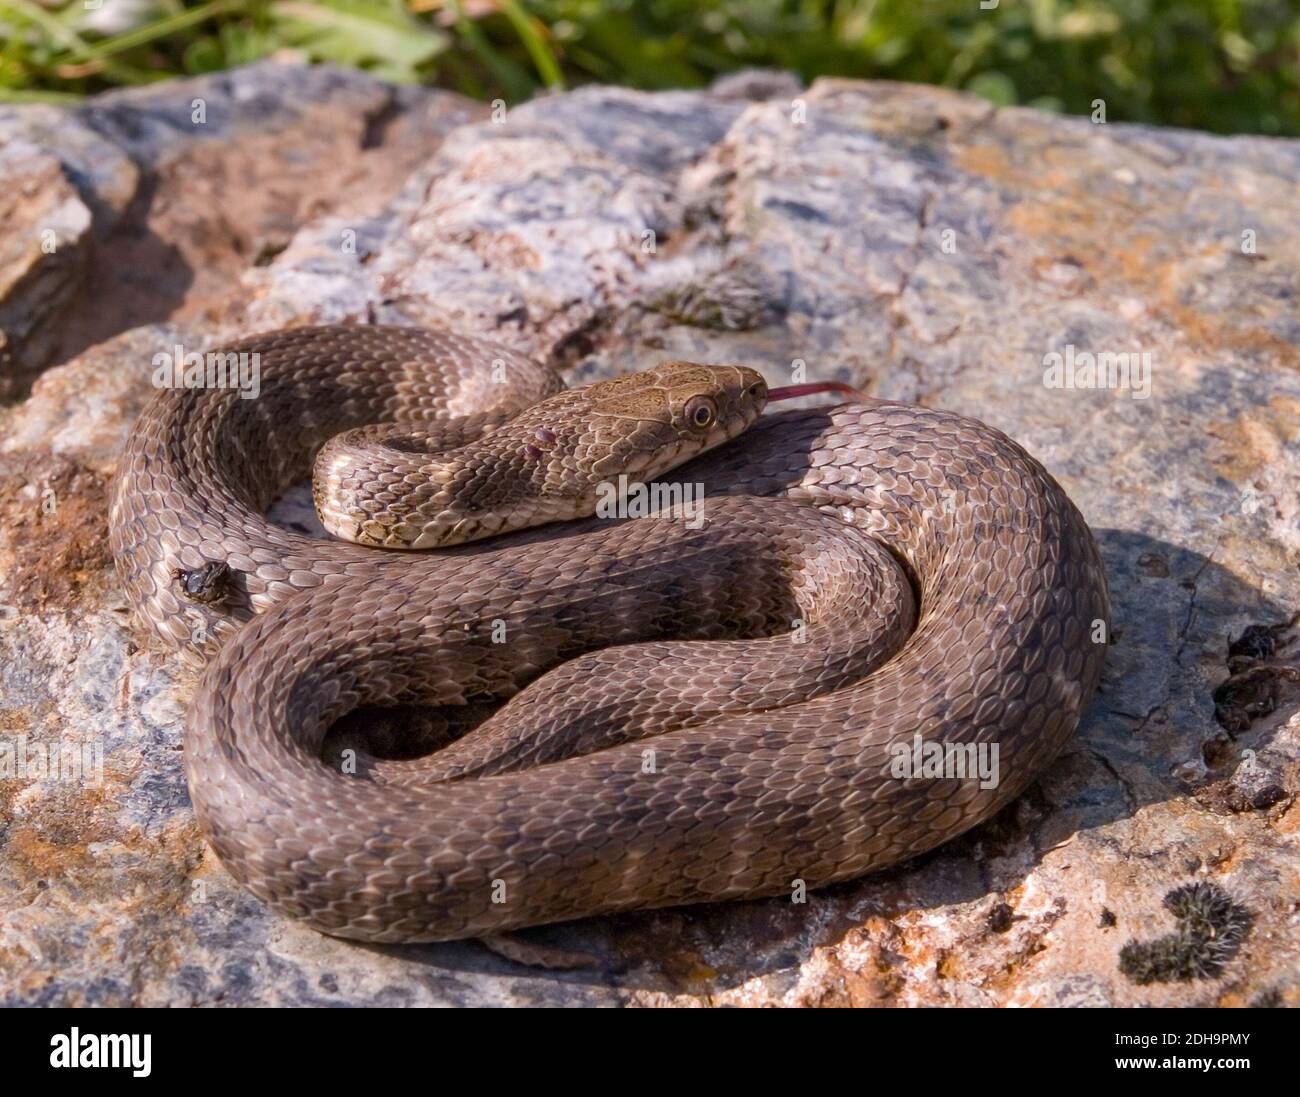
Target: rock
[[914, 241], [45, 251], [187, 186]]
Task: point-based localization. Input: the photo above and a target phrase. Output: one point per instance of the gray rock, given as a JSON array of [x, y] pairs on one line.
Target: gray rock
[[54, 177], [160, 198], [914, 241]]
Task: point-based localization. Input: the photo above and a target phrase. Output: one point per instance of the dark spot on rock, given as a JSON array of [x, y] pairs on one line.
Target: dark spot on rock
[[1153, 565], [266, 250], [379, 120], [1267, 796], [1237, 795], [1107, 919], [1001, 918], [1211, 927], [1255, 685], [577, 345], [1218, 751], [798, 210], [1257, 642], [1246, 697]]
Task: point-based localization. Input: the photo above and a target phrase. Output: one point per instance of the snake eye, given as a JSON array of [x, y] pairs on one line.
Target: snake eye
[[758, 390], [701, 411]]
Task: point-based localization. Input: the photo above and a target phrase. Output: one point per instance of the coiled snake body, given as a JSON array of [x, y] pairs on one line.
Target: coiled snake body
[[696, 710]]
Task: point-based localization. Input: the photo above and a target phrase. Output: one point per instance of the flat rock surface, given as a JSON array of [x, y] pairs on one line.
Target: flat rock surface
[[914, 241]]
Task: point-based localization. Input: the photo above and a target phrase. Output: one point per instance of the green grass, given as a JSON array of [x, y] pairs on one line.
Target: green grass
[[1229, 66]]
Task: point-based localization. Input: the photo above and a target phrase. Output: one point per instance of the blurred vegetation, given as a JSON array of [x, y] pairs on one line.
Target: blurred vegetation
[[1230, 66]]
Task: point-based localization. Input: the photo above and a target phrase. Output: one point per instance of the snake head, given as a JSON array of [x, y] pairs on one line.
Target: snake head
[[552, 462], [646, 423], [712, 404]]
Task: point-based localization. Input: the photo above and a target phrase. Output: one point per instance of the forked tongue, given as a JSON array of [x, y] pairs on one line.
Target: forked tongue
[[789, 392]]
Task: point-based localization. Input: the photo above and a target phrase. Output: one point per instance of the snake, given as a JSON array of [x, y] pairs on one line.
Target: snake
[[571, 652]]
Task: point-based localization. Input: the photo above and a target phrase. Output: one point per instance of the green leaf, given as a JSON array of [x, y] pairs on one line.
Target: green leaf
[[369, 33], [538, 49], [996, 87]]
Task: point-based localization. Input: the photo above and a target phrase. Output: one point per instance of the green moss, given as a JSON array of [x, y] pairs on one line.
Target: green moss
[[727, 301], [1210, 929]]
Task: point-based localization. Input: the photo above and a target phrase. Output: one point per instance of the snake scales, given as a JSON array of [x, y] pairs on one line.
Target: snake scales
[[693, 714]]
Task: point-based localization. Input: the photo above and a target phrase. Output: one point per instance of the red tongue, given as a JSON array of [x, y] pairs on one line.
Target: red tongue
[[813, 387]]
